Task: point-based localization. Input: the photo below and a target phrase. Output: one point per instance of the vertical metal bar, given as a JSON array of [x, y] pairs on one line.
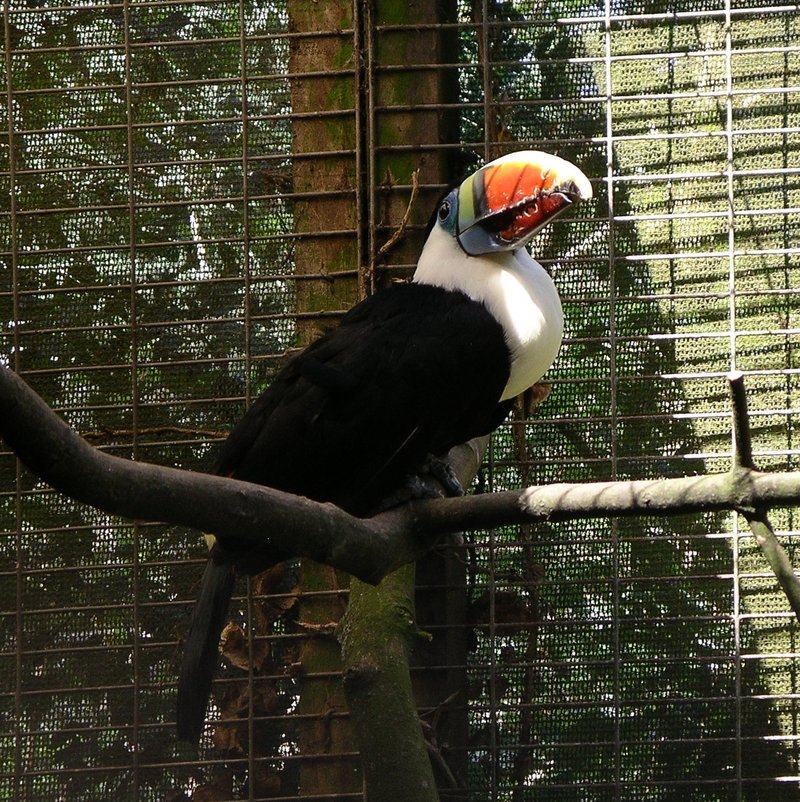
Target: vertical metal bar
[[19, 772], [246, 236], [787, 244], [366, 146], [251, 690], [612, 378], [486, 75], [488, 127], [729, 166], [12, 175], [133, 255], [246, 266], [729, 146]]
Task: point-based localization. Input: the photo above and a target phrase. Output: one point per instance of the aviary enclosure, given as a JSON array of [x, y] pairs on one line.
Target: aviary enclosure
[[192, 189]]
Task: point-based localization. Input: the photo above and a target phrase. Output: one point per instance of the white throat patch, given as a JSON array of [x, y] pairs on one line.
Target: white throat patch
[[517, 291]]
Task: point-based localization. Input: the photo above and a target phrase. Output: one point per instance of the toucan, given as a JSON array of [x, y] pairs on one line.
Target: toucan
[[411, 371]]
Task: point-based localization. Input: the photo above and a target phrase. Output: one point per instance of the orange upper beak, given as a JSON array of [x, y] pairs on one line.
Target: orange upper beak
[[504, 204]]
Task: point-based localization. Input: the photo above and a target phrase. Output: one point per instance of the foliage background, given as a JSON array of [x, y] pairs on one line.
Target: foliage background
[[147, 291]]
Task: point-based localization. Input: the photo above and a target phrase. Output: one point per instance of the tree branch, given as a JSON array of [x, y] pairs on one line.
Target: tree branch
[[367, 548], [757, 517], [138, 490]]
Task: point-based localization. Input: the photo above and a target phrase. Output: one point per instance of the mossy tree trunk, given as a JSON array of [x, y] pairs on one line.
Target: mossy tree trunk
[[357, 205], [327, 279], [378, 634]]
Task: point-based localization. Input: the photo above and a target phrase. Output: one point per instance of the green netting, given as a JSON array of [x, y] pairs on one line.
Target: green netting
[[147, 291]]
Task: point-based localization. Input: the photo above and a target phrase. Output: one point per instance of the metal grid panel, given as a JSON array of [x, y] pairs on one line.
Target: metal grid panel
[[149, 290]]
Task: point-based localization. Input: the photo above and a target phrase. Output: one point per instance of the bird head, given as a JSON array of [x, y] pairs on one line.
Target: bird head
[[504, 204]]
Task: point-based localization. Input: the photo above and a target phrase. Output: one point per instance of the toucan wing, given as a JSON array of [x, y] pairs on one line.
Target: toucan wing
[[412, 370]]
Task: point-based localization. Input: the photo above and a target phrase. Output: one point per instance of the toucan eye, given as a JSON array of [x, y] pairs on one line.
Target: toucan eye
[[444, 210]]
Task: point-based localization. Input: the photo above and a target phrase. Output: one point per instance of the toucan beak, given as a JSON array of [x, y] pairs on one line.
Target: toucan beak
[[505, 203]]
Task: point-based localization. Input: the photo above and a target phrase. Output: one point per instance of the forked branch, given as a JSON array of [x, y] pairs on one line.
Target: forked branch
[[371, 548], [756, 516]]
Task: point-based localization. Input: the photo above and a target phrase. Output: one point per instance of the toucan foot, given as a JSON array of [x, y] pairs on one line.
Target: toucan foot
[[443, 473], [436, 479], [414, 487]]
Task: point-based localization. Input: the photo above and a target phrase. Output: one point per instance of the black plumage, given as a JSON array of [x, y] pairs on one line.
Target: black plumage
[[362, 406], [346, 421]]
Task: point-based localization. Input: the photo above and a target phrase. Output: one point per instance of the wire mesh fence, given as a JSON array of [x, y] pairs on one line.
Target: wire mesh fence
[[190, 189]]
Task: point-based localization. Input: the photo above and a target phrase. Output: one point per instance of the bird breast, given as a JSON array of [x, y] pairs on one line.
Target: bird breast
[[526, 303], [516, 290]]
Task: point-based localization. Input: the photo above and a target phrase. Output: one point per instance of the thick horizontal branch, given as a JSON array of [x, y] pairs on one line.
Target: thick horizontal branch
[[366, 548], [741, 489], [146, 492]]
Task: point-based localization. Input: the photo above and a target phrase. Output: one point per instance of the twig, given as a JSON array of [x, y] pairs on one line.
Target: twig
[[400, 231], [321, 630], [777, 558], [742, 441], [109, 433], [756, 516]]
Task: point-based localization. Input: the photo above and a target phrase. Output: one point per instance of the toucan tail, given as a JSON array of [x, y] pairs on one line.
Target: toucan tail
[[201, 651]]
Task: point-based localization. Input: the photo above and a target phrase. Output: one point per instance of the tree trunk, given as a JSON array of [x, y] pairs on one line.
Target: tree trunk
[[411, 109], [352, 200], [377, 636], [326, 266]]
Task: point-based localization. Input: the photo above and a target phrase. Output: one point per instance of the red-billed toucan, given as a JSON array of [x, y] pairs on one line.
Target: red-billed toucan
[[410, 372]]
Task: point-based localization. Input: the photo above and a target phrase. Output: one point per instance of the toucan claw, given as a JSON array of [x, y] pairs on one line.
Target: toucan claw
[[435, 479], [414, 488], [443, 472]]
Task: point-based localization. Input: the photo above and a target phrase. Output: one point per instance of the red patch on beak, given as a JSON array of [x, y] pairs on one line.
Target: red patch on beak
[[506, 186], [532, 214]]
